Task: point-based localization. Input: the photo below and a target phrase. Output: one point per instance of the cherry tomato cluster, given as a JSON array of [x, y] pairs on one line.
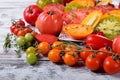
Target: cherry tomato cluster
[[18, 28], [70, 54]]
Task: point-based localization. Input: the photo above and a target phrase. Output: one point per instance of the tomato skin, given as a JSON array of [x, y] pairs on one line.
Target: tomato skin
[[28, 30], [111, 66], [84, 54], [58, 45], [104, 54], [116, 45], [49, 22], [119, 5], [21, 33], [93, 63], [16, 30], [12, 28], [98, 41], [20, 23], [70, 58], [31, 13], [54, 55]]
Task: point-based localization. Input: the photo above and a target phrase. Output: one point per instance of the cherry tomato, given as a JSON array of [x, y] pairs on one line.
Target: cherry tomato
[[34, 33], [29, 37], [49, 22], [12, 28], [71, 47], [93, 63], [28, 30], [31, 58], [119, 5], [111, 66], [85, 53], [58, 45], [54, 55], [16, 30], [43, 48], [30, 50], [70, 58], [20, 41], [31, 13], [21, 33], [104, 54], [20, 23]]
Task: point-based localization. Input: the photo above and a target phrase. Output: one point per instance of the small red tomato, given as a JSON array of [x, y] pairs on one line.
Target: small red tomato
[[12, 28], [21, 33], [85, 53], [93, 63], [119, 6], [16, 30], [100, 33], [111, 66], [20, 23], [28, 30], [31, 13]]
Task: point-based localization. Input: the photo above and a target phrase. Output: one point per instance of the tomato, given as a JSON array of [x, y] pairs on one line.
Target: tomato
[[70, 58], [75, 16], [85, 53], [116, 45], [43, 48], [111, 66], [31, 13], [100, 33], [54, 55], [49, 22], [93, 63], [46, 38], [20, 41], [20, 23], [43, 3], [57, 7], [30, 50], [98, 41], [21, 33], [104, 54], [12, 28], [71, 47], [34, 33], [57, 1], [16, 30], [31, 58], [104, 8], [28, 30], [119, 5], [29, 37], [58, 45]]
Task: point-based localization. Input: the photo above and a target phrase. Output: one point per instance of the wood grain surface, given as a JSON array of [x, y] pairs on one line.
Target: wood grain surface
[[13, 68]]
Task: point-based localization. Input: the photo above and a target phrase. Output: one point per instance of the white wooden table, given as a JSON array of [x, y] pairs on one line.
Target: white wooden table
[[13, 68]]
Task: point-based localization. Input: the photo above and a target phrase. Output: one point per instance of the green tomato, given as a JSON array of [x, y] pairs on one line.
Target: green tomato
[[57, 1], [29, 37], [20, 41], [42, 3], [30, 50], [27, 44], [31, 58]]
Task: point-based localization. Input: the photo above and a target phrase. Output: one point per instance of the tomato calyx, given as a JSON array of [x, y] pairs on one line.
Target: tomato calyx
[[51, 12], [30, 10]]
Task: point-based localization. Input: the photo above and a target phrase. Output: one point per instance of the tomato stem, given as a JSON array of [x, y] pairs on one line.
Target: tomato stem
[[30, 10]]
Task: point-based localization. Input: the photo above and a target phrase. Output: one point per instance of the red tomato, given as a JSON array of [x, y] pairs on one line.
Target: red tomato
[[85, 53], [66, 1], [116, 45], [56, 7], [20, 23], [31, 13], [119, 5], [111, 66], [28, 30], [93, 63], [12, 28], [75, 16], [104, 54], [98, 41], [16, 30], [49, 22], [21, 33]]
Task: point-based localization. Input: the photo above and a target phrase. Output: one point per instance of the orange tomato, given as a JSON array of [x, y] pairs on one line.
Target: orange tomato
[[58, 45], [70, 58], [71, 47], [54, 55], [43, 48]]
